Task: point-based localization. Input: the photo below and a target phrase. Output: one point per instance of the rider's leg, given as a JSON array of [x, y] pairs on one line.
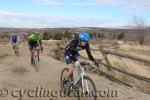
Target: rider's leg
[[13, 46], [17, 46], [71, 69], [32, 55], [31, 48], [71, 65], [38, 54]]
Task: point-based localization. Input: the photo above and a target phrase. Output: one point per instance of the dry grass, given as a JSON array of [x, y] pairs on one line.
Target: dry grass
[[137, 50], [135, 47], [130, 66]]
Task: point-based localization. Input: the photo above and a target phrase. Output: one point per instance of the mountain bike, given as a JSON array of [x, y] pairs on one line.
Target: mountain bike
[[81, 84]]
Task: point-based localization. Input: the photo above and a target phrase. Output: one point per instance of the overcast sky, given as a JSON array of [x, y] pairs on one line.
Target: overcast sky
[[71, 13]]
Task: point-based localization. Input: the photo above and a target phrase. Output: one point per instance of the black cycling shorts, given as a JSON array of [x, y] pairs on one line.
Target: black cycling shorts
[[70, 59], [33, 45]]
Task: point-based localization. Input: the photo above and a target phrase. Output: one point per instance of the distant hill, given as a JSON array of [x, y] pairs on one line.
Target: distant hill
[[131, 34]]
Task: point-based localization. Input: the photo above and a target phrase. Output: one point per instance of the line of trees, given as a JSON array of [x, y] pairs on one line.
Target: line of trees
[[57, 35], [68, 35]]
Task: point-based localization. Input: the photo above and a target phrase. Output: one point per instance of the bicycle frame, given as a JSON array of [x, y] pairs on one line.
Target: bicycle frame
[[80, 76]]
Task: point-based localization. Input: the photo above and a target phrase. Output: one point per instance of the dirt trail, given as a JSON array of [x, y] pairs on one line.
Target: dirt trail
[[16, 73]]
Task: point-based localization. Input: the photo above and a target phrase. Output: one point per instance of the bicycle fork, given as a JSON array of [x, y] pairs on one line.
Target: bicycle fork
[[84, 83]]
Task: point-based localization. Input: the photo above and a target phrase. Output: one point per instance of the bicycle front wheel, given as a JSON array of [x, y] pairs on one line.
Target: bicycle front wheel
[[87, 89]]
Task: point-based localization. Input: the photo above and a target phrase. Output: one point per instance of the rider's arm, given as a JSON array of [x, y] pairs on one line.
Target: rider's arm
[[40, 40], [70, 48], [90, 55], [89, 52]]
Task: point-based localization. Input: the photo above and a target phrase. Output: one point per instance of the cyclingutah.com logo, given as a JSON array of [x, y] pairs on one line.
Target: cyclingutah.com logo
[[41, 92]]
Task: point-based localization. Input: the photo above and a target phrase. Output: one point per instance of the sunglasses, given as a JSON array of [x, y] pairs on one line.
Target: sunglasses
[[83, 41]]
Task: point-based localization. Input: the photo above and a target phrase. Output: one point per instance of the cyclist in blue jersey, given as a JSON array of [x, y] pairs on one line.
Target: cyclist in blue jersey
[[15, 41], [71, 52]]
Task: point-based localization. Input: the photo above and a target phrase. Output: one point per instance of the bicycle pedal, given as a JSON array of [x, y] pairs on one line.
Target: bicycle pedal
[[71, 83]]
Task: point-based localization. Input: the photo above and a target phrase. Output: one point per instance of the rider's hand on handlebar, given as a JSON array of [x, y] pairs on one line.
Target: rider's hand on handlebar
[[96, 63], [77, 64]]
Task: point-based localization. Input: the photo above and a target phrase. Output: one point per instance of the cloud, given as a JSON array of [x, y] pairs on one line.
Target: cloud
[[49, 2], [83, 2], [107, 2], [128, 5], [64, 2], [136, 5], [8, 19]]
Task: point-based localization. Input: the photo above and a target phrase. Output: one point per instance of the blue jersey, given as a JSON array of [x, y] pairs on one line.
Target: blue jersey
[[14, 39], [74, 46]]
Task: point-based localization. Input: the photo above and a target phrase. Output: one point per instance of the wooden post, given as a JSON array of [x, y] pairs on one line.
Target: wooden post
[[105, 57]]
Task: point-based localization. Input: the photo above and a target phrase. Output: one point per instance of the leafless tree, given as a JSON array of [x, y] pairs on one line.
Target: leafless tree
[[140, 25]]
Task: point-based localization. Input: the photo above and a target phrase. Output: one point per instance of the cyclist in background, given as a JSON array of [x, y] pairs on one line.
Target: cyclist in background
[[15, 41], [71, 52], [35, 41]]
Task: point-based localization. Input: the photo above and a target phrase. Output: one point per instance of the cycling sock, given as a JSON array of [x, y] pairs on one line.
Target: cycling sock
[[31, 60]]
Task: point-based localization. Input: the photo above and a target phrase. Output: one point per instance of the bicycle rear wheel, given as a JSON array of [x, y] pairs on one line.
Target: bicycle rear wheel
[[66, 90], [63, 76], [16, 51], [87, 89], [35, 61]]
